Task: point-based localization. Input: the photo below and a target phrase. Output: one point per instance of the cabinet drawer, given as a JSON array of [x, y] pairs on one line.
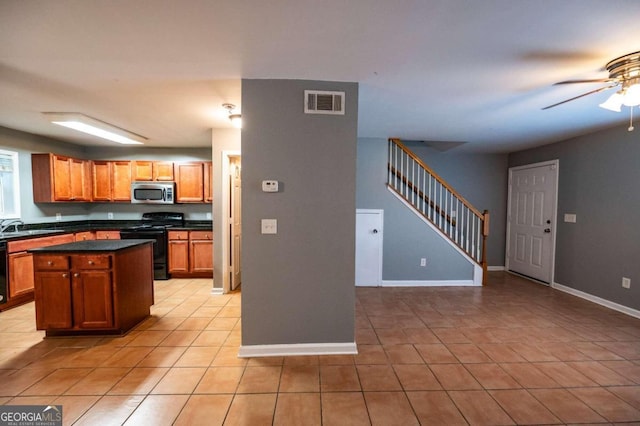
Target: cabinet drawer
[[45, 262], [87, 261], [201, 235], [107, 235], [178, 235]]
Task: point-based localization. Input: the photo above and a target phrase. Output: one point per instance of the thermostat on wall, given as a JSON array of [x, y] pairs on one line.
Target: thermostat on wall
[[269, 186]]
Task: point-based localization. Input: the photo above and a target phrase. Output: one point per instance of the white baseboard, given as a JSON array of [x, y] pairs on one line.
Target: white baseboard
[[595, 299], [430, 283], [247, 351], [217, 290], [495, 268]]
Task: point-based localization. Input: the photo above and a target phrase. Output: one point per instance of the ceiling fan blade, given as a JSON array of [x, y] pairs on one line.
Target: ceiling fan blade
[[597, 80], [580, 96]]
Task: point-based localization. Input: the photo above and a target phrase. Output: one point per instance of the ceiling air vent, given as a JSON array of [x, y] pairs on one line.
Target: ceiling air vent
[[323, 102]]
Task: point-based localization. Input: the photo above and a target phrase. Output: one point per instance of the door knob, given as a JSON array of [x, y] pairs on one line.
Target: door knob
[[375, 231], [547, 230]]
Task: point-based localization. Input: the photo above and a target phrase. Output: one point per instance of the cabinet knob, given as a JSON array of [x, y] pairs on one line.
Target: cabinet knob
[[65, 275], [107, 236], [91, 262], [76, 275], [49, 263]]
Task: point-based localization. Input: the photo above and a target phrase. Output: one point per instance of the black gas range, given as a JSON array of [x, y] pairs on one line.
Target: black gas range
[[154, 226]]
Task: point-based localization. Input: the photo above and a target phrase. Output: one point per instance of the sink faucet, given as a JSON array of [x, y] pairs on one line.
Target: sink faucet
[[8, 223]]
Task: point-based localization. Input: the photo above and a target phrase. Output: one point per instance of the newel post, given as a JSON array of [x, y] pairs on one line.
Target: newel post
[[485, 234]]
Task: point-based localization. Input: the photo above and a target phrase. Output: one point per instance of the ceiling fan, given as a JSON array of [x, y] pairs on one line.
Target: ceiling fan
[[624, 72]]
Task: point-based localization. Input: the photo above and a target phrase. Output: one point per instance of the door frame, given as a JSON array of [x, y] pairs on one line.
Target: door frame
[[379, 212], [226, 158], [555, 166]]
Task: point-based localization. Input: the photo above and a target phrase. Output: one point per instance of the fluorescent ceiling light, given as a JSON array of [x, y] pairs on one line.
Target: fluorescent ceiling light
[[86, 124]]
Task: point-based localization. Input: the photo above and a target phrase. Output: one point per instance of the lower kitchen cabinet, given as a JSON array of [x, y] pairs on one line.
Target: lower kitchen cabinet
[[191, 253], [93, 293], [20, 267]]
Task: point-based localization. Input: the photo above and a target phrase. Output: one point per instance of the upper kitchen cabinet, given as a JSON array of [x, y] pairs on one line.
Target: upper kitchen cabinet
[[189, 182], [152, 170], [208, 183], [111, 180], [60, 178]]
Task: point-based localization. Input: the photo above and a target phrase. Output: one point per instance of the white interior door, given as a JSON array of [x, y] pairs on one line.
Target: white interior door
[[369, 224], [235, 222], [531, 220]]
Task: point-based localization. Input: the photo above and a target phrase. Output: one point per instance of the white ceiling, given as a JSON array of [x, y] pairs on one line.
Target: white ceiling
[[438, 70]]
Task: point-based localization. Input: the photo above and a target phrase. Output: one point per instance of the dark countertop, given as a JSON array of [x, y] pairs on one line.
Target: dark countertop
[[44, 229], [91, 246]]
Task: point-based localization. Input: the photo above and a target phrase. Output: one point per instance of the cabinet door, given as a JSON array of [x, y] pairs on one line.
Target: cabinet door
[[92, 299], [163, 170], [201, 255], [121, 181], [79, 184], [208, 182], [61, 178], [53, 300], [189, 182], [20, 273], [101, 180], [142, 170], [178, 256]]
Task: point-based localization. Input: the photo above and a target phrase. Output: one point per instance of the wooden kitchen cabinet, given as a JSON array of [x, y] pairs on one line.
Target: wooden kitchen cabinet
[[201, 252], [95, 291], [143, 170], [108, 235], [191, 253], [20, 266], [189, 182], [208, 182], [60, 178], [84, 236], [111, 180], [178, 252]]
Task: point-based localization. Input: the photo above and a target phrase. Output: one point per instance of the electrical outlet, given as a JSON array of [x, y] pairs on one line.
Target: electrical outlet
[[58, 216], [110, 215], [626, 282], [209, 215], [423, 261]]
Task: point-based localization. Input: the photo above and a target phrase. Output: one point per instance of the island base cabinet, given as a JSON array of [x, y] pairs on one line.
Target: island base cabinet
[[93, 293], [92, 300], [53, 300]]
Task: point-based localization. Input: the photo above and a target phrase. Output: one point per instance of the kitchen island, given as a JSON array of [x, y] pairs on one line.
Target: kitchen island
[[93, 287]]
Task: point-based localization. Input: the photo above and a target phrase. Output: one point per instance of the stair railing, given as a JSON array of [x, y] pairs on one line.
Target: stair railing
[[435, 200]]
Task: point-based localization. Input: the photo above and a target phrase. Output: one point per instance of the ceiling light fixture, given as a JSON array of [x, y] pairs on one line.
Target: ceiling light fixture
[[92, 126], [236, 119]]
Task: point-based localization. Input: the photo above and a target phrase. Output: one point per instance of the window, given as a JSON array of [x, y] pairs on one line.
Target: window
[[9, 185]]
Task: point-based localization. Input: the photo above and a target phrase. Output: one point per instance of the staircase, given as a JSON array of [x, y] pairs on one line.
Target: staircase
[[438, 203]]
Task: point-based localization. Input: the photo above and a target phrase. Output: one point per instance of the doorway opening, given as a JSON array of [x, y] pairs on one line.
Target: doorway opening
[[231, 232]]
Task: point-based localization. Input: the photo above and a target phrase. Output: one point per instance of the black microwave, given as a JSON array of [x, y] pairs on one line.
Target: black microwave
[[153, 192]]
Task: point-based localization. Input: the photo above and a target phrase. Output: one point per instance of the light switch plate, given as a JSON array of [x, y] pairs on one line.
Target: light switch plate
[[570, 217], [269, 226]]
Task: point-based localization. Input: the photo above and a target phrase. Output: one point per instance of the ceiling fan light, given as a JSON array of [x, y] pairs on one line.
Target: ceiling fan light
[[614, 103], [632, 95]]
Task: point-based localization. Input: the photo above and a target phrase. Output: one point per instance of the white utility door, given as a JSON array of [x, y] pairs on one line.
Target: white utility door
[[235, 221], [531, 220], [369, 225]]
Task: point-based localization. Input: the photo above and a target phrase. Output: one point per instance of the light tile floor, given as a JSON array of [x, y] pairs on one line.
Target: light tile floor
[[512, 352]]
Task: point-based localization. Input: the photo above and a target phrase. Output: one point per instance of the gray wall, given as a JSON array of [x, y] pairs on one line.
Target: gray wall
[[598, 181], [298, 285], [26, 143], [406, 237]]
